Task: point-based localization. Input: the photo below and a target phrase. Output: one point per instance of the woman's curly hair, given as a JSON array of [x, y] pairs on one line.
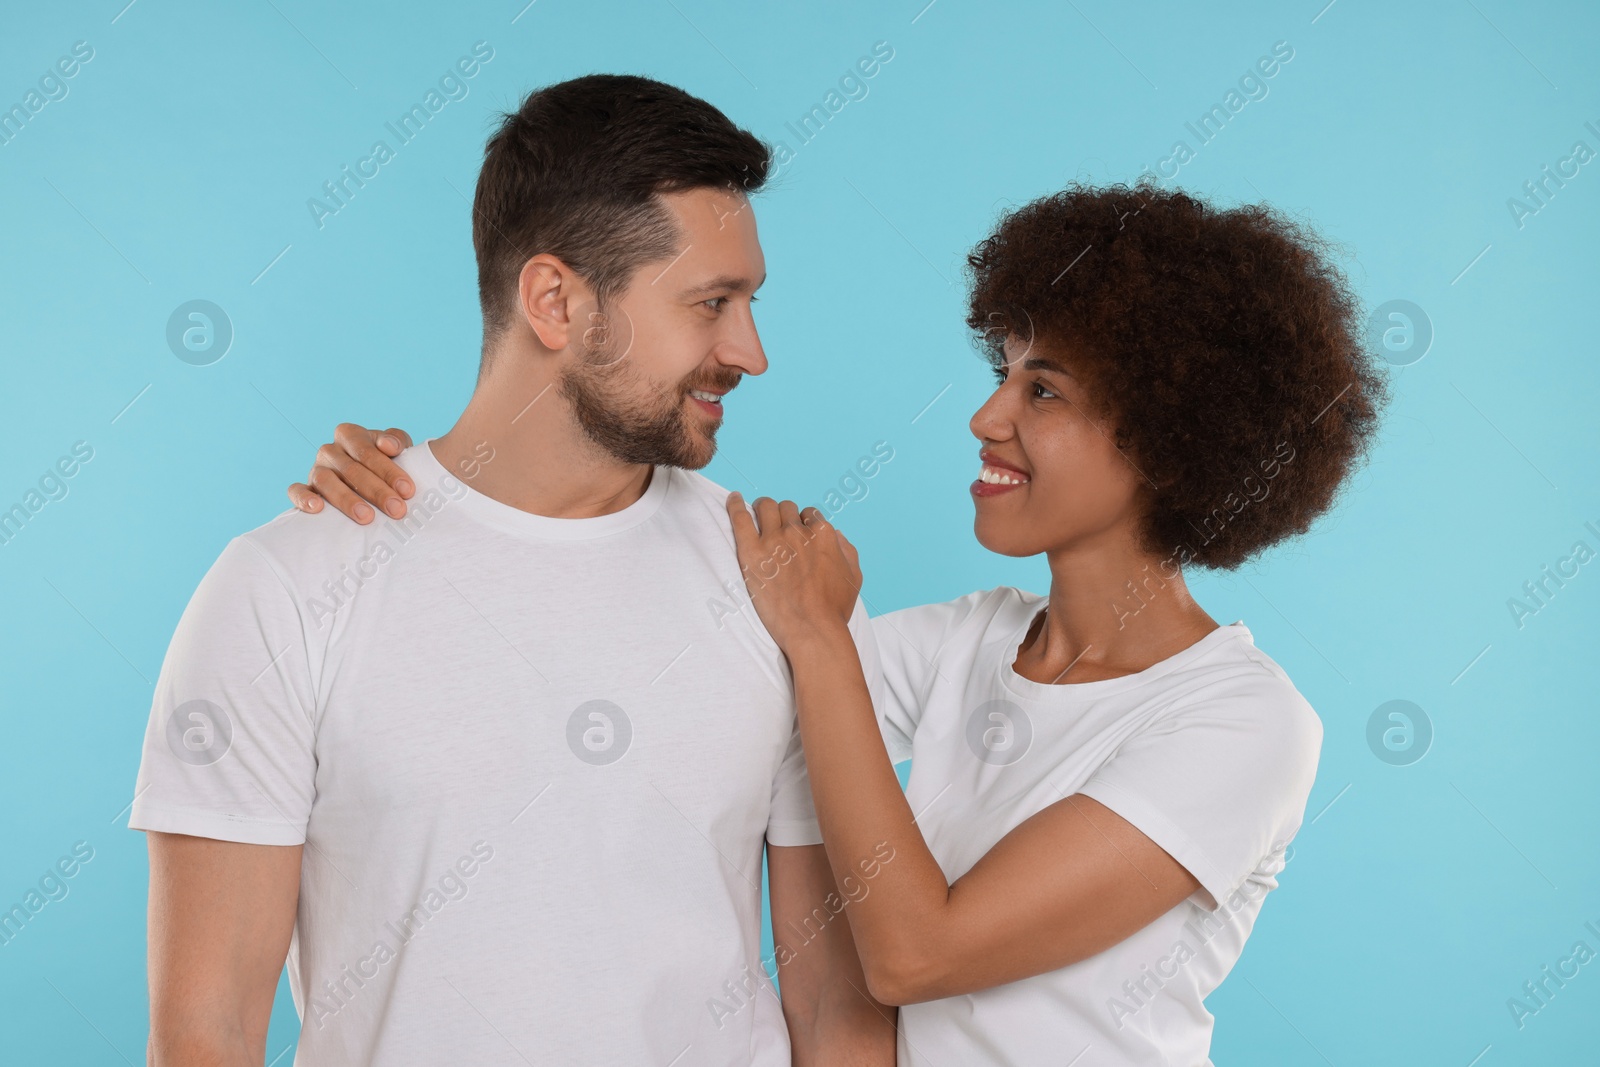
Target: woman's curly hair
[[1227, 347]]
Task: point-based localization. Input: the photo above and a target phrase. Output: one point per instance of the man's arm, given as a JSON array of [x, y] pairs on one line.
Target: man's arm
[[221, 913], [832, 1019]]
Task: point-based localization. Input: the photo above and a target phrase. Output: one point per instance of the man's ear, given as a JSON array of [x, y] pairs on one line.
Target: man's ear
[[551, 294]]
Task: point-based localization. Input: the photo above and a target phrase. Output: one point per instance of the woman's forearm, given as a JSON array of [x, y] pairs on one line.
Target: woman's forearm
[[896, 922]]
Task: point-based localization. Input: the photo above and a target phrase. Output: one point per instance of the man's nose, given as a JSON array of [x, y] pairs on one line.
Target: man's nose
[[742, 349]]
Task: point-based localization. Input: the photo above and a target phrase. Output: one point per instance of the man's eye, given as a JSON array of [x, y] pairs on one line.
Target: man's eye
[[715, 303]]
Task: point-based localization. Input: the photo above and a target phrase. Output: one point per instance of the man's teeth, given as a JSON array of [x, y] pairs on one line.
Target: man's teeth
[[1001, 476], [709, 398]]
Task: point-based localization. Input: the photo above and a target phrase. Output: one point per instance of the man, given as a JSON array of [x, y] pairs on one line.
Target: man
[[496, 777]]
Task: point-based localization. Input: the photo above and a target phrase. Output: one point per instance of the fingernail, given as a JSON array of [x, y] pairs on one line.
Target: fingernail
[[363, 513], [403, 487], [388, 442], [394, 508]]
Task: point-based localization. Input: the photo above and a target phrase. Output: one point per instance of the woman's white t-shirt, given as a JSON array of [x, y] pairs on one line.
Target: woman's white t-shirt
[[1211, 753]]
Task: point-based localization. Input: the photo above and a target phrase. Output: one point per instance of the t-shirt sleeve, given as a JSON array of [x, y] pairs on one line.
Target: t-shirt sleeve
[[1220, 781], [793, 820], [907, 646], [229, 750]]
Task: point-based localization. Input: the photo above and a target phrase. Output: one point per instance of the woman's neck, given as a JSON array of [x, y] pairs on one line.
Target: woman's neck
[[1110, 614]]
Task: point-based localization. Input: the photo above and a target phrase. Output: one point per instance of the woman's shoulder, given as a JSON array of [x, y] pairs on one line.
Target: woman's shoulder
[[1000, 605], [1242, 685]]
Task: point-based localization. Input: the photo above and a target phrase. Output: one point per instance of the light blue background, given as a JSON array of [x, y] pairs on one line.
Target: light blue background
[[1419, 898]]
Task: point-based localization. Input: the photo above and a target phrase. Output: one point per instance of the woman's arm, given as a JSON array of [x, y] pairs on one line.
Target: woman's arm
[[1067, 883]]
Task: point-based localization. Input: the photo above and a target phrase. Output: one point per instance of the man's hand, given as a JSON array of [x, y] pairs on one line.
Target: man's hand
[[801, 572], [355, 471]]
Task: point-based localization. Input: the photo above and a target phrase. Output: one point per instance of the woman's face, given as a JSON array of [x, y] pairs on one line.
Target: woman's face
[[1052, 478]]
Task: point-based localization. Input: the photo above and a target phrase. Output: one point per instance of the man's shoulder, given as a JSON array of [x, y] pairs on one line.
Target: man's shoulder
[[697, 486], [303, 550], [304, 547], [694, 495]]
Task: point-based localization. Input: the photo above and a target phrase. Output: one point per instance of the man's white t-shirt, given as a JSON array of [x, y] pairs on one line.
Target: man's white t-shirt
[[1210, 753], [532, 762]]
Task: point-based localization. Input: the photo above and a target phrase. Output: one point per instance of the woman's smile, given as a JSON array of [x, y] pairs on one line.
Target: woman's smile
[[998, 477]]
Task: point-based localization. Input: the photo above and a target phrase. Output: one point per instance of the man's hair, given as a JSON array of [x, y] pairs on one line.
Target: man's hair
[[1225, 343], [575, 171]]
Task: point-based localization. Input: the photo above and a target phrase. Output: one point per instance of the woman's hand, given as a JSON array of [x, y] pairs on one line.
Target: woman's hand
[[356, 470], [802, 574]]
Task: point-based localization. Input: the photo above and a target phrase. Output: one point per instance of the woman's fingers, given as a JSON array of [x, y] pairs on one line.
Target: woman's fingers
[[846, 547], [745, 534], [768, 515], [394, 441], [305, 498], [363, 445], [333, 488], [851, 557]]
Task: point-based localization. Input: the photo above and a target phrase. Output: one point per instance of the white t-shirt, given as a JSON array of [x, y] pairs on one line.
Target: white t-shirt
[[1211, 753], [532, 761]]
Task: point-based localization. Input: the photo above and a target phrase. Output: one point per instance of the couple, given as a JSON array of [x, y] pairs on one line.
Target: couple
[[494, 766]]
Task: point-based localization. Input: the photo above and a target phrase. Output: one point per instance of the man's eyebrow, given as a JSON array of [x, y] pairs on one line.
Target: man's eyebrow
[[726, 283]]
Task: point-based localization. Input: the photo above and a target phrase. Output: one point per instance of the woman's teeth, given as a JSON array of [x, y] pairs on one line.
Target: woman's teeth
[[1001, 476]]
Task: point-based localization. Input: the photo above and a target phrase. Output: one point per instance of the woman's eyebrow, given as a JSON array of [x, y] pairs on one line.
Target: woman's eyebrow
[[1043, 363]]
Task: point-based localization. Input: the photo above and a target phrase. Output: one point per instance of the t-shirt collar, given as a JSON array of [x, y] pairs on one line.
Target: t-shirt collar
[[423, 465], [1062, 691]]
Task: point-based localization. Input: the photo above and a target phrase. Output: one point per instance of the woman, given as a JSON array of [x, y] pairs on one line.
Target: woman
[[1104, 780]]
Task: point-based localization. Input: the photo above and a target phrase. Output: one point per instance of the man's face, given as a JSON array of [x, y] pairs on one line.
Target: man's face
[[650, 370]]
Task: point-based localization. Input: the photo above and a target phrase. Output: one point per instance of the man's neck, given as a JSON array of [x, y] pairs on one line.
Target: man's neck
[[519, 443]]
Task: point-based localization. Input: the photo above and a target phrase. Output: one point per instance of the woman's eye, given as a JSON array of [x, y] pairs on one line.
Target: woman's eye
[[1041, 392], [1000, 375]]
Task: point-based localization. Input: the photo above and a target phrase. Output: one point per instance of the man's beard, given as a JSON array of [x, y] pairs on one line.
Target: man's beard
[[634, 421]]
